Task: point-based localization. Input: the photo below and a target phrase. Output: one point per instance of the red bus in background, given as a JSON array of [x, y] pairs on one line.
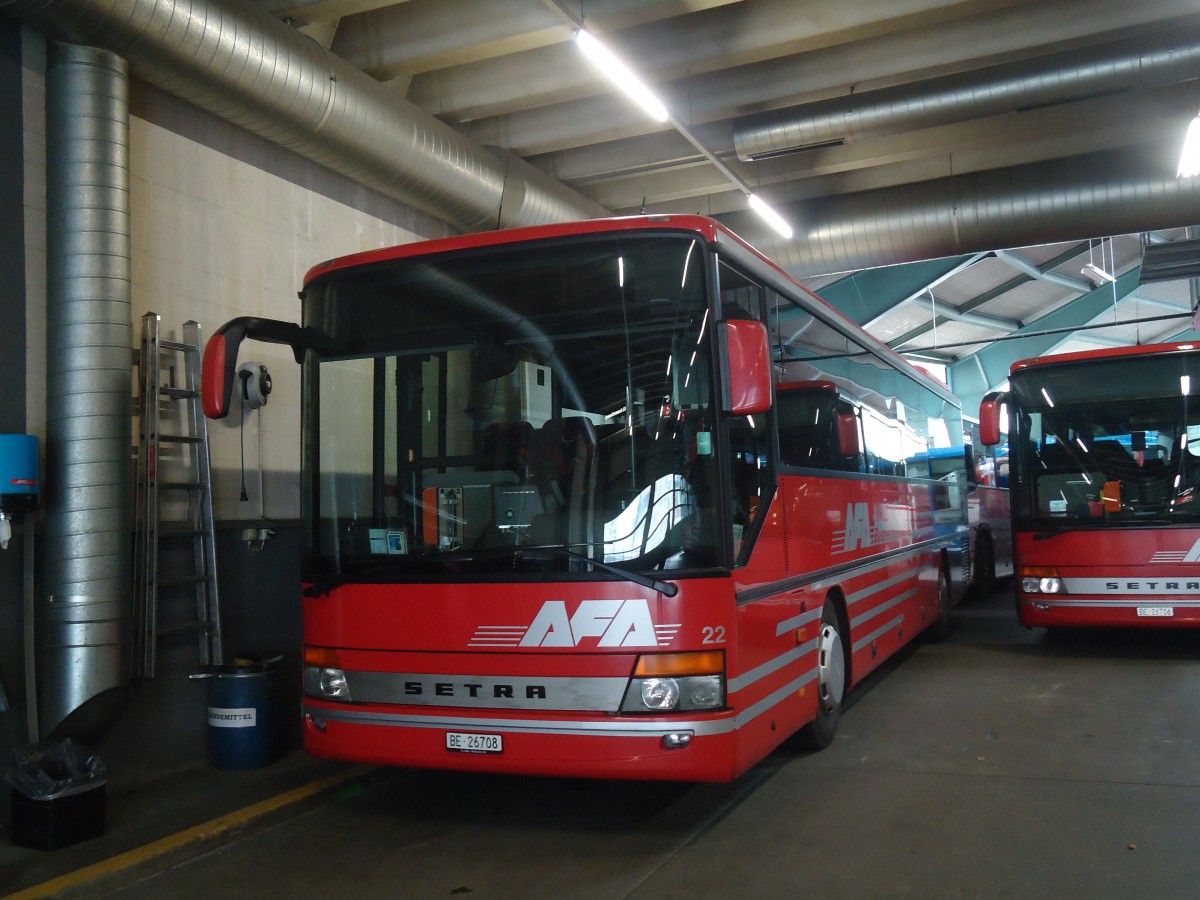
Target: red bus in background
[[1104, 450], [559, 520]]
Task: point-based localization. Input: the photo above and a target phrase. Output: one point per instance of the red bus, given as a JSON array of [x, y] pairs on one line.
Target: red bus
[[1104, 451], [558, 520]]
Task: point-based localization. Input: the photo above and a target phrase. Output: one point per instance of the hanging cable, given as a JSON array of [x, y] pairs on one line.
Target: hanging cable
[[243, 374]]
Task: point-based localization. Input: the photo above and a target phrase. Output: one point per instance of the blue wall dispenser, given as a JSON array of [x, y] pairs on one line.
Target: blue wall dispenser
[[20, 486]]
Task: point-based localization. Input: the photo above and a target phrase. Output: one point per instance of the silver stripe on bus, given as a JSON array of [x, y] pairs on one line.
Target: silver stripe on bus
[[596, 694], [880, 586], [798, 621], [623, 728], [1115, 604], [771, 700], [748, 678], [1152, 585], [879, 562], [883, 607], [878, 632], [834, 574]]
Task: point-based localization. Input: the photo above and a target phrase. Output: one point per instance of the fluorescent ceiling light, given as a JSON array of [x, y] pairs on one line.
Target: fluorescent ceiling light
[[620, 75], [1189, 160], [772, 218]]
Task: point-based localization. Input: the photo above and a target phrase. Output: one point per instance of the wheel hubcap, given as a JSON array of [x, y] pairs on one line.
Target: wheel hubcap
[[831, 667]]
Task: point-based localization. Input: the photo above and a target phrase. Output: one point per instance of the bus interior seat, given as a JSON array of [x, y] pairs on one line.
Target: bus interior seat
[[557, 451], [506, 445]]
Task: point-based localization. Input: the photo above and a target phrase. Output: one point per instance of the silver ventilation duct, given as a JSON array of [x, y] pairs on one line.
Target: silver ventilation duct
[[1130, 190], [1158, 59], [239, 63], [83, 624]]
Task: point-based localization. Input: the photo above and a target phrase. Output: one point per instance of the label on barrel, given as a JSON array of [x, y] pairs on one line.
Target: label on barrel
[[232, 718]]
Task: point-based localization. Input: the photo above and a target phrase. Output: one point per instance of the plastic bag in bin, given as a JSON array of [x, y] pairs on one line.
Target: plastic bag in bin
[[55, 769]]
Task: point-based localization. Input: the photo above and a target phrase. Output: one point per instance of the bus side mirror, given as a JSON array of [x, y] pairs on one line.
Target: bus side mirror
[[989, 419], [747, 353], [221, 351], [847, 435]]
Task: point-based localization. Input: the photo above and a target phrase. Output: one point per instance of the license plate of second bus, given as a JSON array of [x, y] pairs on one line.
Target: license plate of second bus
[[1165, 611], [466, 742]]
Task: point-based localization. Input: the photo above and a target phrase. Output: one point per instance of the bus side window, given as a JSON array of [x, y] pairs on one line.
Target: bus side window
[[751, 477], [748, 437]]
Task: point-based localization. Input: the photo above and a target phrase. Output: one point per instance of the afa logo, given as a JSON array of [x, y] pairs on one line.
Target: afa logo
[[857, 533], [594, 623]]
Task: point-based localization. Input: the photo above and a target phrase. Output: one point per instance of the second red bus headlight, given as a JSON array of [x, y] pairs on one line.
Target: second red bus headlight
[[676, 682], [1040, 580]]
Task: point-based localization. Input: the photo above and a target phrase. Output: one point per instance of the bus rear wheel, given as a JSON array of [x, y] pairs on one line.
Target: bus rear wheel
[[831, 682], [985, 566]]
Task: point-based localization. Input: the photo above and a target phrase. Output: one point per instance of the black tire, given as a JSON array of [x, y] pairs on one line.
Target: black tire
[[940, 629], [985, 567], [832, 670]]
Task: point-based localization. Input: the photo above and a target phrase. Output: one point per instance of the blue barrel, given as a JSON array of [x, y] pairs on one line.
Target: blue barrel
[[243, 716]]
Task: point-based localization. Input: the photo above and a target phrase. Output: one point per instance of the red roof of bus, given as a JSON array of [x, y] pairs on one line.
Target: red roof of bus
[[709, 229], [706, 227], [1105, 353]]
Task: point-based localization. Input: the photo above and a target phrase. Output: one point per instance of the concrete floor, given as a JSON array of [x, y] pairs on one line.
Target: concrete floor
[[1002, 763]]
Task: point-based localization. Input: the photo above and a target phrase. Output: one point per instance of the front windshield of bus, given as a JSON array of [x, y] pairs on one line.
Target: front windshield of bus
[[511, 410], [1114, 441]]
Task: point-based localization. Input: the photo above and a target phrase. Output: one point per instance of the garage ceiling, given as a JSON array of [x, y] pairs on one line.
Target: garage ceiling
[[828, 105], [920, 135]]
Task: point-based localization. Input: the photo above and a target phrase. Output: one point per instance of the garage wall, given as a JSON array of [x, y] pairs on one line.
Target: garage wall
[[224, 224]]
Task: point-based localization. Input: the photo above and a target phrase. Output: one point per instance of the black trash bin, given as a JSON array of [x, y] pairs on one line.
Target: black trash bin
[[58, 794], [243, 715]]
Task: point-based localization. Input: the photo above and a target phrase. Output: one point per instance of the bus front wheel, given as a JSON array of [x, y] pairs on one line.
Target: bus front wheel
[[831, 682]]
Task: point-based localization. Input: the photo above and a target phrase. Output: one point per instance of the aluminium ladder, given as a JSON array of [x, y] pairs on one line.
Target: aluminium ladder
[[174, 555]]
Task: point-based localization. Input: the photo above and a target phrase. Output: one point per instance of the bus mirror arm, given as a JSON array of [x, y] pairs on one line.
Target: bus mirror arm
[[221, 354], [989, 418]]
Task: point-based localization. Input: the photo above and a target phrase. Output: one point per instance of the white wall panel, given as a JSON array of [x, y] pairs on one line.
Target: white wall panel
[[215, 237]]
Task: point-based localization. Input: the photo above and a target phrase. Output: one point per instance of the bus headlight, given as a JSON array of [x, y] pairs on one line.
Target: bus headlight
[[1041, 580], [676, 682], [659, 693], [327, 683], [324, 676], [685, 694]]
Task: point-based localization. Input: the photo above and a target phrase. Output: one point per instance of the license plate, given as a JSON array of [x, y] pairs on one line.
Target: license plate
[[1166, 611], [466, 742]]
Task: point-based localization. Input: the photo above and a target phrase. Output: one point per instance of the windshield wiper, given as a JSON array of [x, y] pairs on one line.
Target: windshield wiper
[[1054, 531], [663, 587], [322, 586], [646, 581]]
